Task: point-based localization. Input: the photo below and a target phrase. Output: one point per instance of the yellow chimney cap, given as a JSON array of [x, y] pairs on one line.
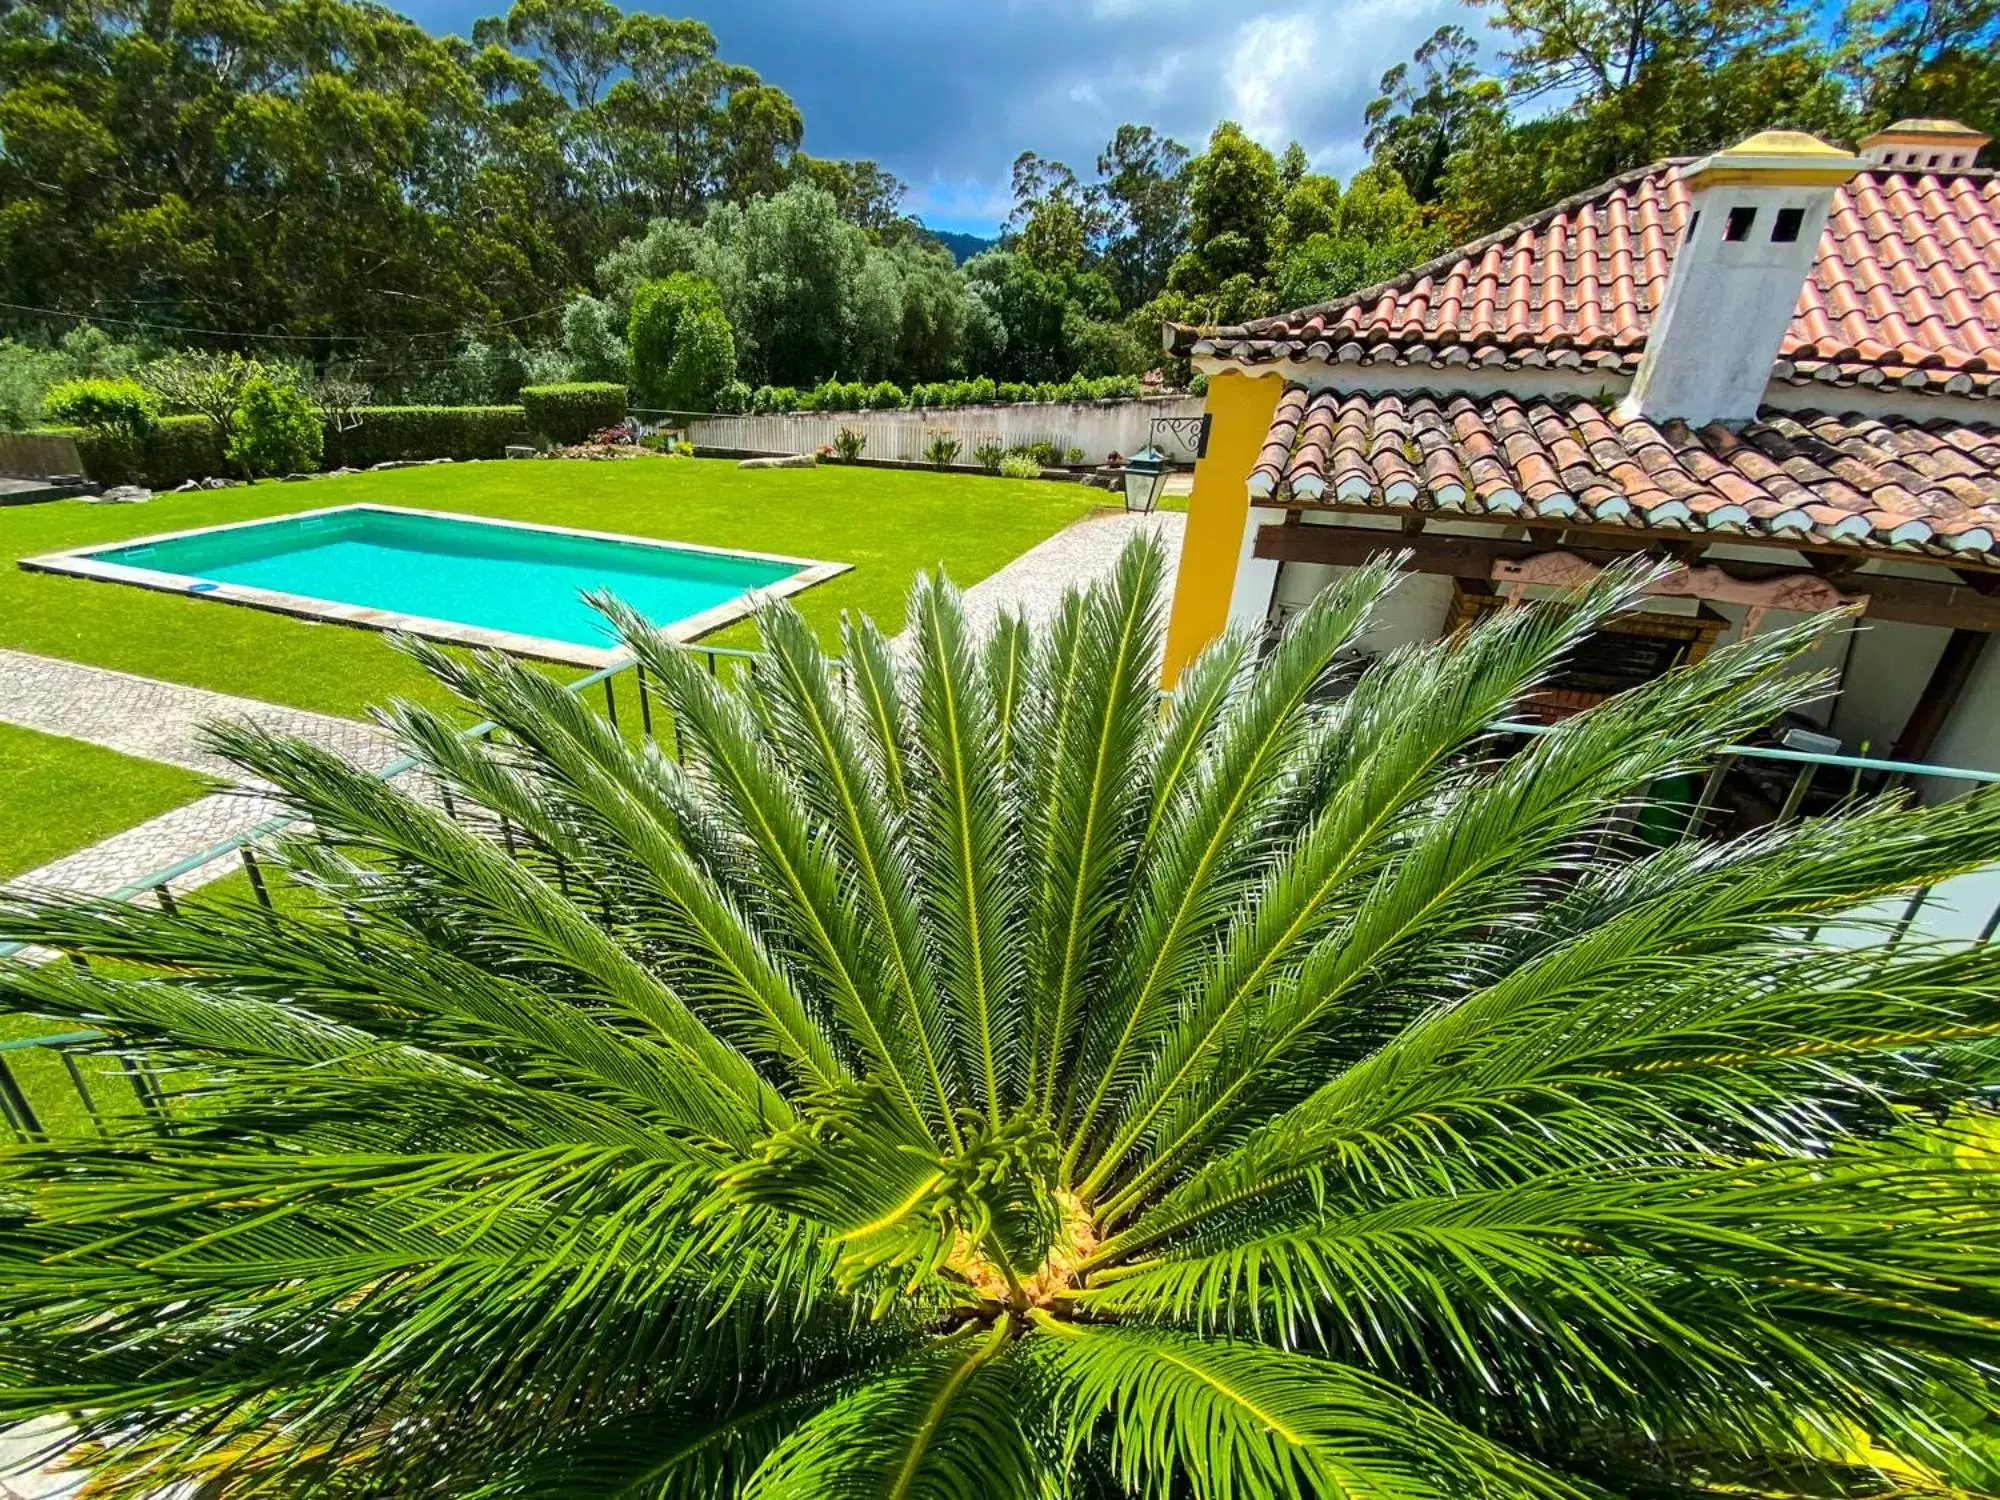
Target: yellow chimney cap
[[1775, 158], [1930, 133]]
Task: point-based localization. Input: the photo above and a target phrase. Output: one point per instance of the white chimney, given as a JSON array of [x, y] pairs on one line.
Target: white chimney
[[1755, 215], [1924, 146]]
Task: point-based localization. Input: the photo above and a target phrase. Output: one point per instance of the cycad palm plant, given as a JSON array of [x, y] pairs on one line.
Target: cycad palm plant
[[952, 1071]]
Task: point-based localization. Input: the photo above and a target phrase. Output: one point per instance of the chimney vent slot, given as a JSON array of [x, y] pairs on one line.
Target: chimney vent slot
[[1785, 228], [1737, 227]]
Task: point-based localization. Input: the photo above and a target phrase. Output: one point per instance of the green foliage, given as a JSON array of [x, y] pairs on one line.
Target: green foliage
[[570, 413], [941, 450], [683, 352], [1016, 466], [383, 434], [734, 398], [964, 1075], [885, 395], [989, 454], [28, 370], [274, 429], [592, 347], [121, 406], [202, 382], [848, 443]]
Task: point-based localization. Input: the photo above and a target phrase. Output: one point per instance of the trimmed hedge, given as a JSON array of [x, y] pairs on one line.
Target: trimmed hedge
[[176, 450], [396, 433], [835, 395], [182, 448], [571, 413]]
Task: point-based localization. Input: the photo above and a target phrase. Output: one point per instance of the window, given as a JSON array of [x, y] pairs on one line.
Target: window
[[1737, 226], [1785, 228]]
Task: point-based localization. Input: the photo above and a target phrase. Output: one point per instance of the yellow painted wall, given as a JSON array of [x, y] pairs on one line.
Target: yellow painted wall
[[1239, 408]]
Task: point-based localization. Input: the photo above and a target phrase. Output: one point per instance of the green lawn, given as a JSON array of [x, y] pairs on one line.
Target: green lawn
[[58, 795], [888, 523]]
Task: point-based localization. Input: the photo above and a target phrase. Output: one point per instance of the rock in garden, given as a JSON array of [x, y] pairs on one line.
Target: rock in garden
[[124, 494], [219, 483], [792, 461]]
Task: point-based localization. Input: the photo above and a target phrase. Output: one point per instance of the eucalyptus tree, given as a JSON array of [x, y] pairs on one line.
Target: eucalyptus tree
[[949, 1071]]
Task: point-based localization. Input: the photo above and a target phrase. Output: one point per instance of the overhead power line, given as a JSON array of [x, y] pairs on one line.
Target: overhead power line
[[289, 338]]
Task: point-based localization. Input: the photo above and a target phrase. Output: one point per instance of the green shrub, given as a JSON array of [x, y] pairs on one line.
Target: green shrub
[[704, 361], [990, 454], [111, 457], [849, 443], [885, 395], [1198, 385], [941, 451], [1016, 392], [1044, 455], [570, 413], [389, 433], [275, 429], [182, 448], [120, 406], [683, 349], [1020, 466], [772, 399], [734, 399]]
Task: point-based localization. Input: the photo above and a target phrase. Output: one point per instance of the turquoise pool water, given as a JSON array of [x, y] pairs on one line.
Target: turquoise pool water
[[474, 573]]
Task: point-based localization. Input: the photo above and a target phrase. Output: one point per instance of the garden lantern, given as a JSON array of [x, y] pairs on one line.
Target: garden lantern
[[1145, 479]]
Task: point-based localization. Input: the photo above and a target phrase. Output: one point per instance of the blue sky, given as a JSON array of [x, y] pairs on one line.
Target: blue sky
[[946, 92]]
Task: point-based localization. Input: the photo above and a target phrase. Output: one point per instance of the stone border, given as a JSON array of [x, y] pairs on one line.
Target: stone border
[[83, 562]]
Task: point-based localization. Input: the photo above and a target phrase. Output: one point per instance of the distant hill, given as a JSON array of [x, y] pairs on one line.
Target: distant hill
[[962, 246]]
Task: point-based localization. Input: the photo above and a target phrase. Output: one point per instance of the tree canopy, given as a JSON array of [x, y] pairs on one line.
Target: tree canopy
[[325, 182]]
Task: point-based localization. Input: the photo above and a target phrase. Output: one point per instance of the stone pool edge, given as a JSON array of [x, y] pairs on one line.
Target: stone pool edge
[[76, 562]]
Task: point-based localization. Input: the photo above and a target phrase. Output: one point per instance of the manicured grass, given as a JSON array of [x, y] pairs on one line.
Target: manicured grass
[[59, 795], [889, 524]]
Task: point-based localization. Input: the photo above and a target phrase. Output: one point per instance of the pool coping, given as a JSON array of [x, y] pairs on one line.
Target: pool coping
[[78, 562]]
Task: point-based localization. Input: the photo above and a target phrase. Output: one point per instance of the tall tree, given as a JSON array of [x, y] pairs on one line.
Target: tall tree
[[1924, 58], [1144, 178], [1416, 125]]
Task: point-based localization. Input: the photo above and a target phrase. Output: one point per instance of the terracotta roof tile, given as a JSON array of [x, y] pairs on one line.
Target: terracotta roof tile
[[1876, 484], [1905, 285]]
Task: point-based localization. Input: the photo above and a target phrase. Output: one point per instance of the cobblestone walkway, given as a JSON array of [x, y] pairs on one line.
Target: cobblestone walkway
[[161, 721], [1033, 583], [155, 720]]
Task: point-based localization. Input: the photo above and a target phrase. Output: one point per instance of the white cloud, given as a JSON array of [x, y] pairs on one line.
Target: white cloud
[[1272, 57]]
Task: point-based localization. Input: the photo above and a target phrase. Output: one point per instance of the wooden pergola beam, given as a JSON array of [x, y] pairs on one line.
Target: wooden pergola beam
[[1912, 601], [1613, 534]]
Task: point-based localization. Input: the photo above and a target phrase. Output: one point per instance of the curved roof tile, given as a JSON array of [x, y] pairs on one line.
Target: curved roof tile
[[1905, 285], [1893, 484]]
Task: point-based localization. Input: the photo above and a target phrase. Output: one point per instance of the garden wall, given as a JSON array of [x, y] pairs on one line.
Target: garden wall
[[37, 454], [1098, 428]]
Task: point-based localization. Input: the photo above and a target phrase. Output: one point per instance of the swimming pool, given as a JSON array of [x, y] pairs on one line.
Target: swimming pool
[[507, 584]]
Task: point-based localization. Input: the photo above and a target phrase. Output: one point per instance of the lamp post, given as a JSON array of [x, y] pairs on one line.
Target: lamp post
[[1145, 479]]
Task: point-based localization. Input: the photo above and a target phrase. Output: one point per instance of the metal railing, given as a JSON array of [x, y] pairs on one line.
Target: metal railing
[[71, 1092]]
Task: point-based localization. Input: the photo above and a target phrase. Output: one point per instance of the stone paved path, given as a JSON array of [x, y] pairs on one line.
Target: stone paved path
[[161, 721], [1033, 583], [155, 720]]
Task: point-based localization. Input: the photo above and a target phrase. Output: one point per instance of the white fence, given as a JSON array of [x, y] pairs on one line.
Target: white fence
[[1098, 428]]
